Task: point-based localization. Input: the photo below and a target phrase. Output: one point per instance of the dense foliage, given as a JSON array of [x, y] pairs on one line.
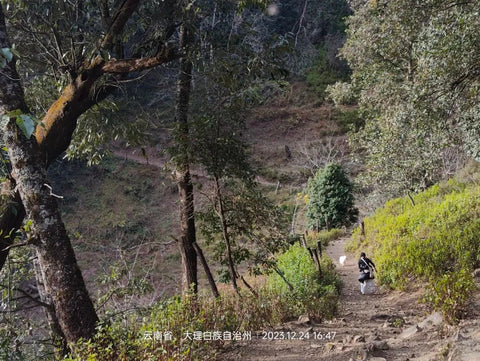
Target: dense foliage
[[432, 237], [256, 228], [330, 199], [312, 294], [413, 75]]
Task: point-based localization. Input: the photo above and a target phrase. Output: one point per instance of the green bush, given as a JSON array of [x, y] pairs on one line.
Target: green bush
[[432, 237], [299, 269], [330, 199], [324, 236], [311, 294], [349, 120], [323, 73], [450, 293]]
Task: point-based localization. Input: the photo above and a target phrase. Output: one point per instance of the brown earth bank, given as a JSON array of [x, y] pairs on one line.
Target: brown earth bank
[[385, 325]]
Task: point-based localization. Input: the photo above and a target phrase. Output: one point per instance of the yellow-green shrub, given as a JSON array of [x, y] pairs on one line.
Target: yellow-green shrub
[[133, 338], [325, 236], [314, 295], [435, 238]]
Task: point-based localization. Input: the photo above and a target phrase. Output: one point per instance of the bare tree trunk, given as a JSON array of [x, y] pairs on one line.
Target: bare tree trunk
[[294, 218], [62, 278], [56, 333], [411, 199], [249, 286], [203, 260], [185, 186], [303, 240], [188, 236], [319, 248], [63, 281], [226, 236], [311, 254], [317, 262]]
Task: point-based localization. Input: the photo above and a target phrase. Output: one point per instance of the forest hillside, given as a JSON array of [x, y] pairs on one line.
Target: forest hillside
[[196, 180]]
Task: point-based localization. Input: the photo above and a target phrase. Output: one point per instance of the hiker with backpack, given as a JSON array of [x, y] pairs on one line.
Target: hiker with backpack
[[366, 267]]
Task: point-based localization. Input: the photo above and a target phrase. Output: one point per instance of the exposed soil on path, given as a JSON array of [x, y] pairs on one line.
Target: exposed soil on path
[[381, 326], [151, 157]]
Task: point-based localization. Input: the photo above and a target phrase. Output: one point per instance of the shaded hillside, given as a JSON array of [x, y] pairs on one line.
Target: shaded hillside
[[122, 214], [297, 121]]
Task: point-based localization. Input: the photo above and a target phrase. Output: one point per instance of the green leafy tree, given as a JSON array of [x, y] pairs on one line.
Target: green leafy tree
[[237, 219], [243, 227], [227, 73], [219, 66], [89, 71], [412, 64], [330, 199]]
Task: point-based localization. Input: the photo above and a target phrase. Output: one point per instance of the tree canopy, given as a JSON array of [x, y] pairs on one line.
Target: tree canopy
[[415, 75]]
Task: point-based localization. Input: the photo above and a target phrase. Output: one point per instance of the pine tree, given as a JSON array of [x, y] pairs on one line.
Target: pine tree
[[330, 199]]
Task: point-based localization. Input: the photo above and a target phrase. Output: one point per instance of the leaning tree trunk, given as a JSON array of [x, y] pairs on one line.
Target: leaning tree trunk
[[184, 181], [226, 235], [63, 281], [188, 236], [208, 272]]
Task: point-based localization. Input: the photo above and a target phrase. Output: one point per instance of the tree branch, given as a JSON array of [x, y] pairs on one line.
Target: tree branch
[[16, 245], [121, 66], [55, 133], [118, 22]]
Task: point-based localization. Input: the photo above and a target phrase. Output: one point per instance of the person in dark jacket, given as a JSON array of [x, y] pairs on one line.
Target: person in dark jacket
[[366, 267]]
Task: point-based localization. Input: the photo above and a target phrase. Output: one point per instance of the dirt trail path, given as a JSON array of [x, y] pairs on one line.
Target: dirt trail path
[[383, 326], [152, 158]]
